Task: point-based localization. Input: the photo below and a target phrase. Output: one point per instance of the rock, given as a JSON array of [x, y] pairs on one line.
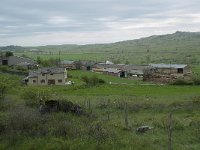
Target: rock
[[143, 129], [64, 106]]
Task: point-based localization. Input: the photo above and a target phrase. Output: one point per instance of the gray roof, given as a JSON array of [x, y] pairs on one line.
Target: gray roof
[[51, 70], [46, 71], [33, 74], [13, 60], [166, 66]]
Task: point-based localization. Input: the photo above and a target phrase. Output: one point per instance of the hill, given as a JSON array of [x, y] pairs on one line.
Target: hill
[[179, 47]]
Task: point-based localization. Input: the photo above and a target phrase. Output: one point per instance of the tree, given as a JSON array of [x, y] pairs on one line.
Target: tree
[[39, 61], [8, 53]]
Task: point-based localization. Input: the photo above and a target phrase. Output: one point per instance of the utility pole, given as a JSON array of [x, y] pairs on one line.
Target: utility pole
[[148, 57]]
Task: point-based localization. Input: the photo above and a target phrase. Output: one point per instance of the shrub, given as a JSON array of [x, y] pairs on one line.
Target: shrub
[[62, 128], [24, 120], [92, 81], [33, 96], [182, 82], [3, 87], [4, 68], [196, 80], [2, 127], [99, 132], [20, 68]]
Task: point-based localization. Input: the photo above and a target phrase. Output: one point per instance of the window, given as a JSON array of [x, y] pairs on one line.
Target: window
[[42, 81], [60, 81], [43, 74], [34, 81], [180, 70]]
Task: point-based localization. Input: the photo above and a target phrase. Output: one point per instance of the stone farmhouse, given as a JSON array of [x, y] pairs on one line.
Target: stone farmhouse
[[47, 76]]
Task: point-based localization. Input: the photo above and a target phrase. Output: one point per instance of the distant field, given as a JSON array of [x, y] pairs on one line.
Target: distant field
[[119, 57], [180, 47]]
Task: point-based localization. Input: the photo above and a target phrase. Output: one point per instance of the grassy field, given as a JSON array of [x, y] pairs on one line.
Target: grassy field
[[180, 47], [22, 127]]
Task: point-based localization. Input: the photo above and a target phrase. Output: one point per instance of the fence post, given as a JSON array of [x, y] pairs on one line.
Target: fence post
[[125, 115], [170, 131]]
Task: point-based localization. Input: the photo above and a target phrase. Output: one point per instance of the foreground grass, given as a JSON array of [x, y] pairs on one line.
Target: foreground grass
[[22, 127]]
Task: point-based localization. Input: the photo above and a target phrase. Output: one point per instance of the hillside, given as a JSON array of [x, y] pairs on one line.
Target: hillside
[[179, 47]]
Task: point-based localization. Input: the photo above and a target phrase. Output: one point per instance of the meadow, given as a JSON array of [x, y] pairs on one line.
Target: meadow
[[114, 112], [179, 47]]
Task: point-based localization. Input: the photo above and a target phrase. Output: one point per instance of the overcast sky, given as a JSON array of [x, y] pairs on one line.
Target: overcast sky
[[45, 22]]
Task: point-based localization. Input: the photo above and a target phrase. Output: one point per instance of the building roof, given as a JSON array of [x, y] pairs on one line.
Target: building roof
[[51, 70], [66, 62], [33, 74], [127, 68], [46, 71], [112, 70], [13, 60], [137, 72], [23, 64], [166, 66]]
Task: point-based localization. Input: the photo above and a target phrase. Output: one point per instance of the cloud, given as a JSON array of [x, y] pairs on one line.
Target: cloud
[[36, 22]]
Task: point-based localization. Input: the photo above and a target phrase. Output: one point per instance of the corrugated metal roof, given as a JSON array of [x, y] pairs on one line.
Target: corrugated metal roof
[[176, 66], [112, 70], [66, 62], [23, 64]]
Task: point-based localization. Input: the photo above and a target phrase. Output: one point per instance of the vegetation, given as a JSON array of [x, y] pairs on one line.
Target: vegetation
[[92, 81], [8, 53], [113, 113], [180, 47], [114, 107]]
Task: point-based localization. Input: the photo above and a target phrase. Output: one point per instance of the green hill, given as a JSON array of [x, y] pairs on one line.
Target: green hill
[[179, 47]]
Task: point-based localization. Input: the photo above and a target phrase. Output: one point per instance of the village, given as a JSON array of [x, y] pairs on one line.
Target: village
[[99, 75], [57, 75]]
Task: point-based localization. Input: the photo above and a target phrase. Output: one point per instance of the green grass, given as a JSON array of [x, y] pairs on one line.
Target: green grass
[[76, 74], [147, 105], [180, 47]]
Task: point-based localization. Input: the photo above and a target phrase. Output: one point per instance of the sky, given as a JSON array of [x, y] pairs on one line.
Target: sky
[[53, 22]]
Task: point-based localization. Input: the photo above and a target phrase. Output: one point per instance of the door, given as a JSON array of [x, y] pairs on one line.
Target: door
[[51, 82]]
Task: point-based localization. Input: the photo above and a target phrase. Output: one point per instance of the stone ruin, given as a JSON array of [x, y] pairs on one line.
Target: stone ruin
[[143, 129], [60, 106]]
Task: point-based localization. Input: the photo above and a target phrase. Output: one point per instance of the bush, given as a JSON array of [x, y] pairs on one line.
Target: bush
[[2, 127], [24, 120], [33, 96], [196, 80], [62, 128], [3, 87], [92, 81], [20, 68], [4, 68], [99, 132], [182, 82]]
